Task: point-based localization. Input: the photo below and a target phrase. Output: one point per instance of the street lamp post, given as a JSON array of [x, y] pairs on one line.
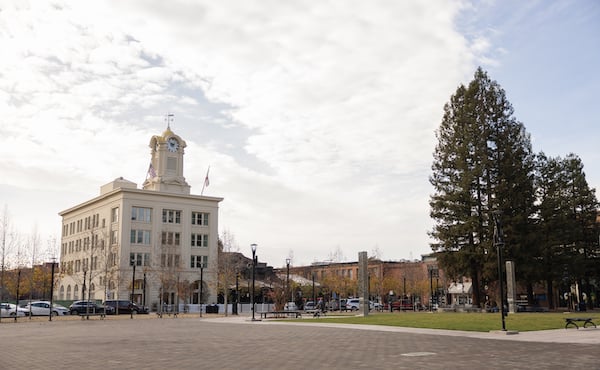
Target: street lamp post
[[237, 294], [430, 288], [253, 247], [51, 289], [499, 240], [432, 271], [287, 282], [132, 284], [201, 286], [144, 290], [313, 288], [87, 306], [17, 298]]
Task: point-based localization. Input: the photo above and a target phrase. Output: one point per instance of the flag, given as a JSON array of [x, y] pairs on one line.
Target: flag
[[151, 173], [206, 182]]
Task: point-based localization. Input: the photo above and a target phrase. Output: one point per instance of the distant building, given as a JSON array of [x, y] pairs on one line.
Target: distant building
[[412, 279], [161, 230]]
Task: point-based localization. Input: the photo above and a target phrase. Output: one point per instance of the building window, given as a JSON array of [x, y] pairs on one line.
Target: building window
[[170, 238], [140, 259], [141, 214], [198, 261], [114, 214], [169, 260], [200, 218], [114, 237], [199, 240], [170, 216], [140, 237]]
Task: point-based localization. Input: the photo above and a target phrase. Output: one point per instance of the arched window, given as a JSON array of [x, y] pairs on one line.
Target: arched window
[[76, 292], [61, 294], [68, 292], [92, 289]]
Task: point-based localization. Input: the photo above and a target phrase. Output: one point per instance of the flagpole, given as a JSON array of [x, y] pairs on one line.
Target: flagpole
[[205, 181]]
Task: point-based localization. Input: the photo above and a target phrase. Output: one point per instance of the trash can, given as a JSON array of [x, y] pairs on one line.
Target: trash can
[[212, 308]]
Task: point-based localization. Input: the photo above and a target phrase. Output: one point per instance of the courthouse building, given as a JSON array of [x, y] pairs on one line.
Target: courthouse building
[[161, 238]]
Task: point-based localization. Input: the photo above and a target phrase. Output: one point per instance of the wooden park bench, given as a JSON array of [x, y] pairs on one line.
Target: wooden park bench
[[574, 320]]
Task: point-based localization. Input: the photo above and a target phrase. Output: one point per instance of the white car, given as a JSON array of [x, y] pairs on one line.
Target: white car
[[42, 308], [290, 306], [8, 310], [352, 304]]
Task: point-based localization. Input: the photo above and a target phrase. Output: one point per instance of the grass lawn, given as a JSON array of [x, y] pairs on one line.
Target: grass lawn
[[484, 322]]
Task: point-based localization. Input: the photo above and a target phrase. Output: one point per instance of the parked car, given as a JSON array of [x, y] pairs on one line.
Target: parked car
[[375, 306], [11, 310], [352, 304], [123, 306], [42, 308], [309, 306], [89, 307], [290, 306]]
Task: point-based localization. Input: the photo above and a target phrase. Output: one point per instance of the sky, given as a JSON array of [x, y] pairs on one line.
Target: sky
[[317, 118]]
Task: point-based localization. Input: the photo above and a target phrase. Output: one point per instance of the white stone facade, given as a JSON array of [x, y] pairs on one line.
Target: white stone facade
[[168, 234]]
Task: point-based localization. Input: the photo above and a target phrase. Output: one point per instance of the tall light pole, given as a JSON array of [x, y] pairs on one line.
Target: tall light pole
[[17, 298], [499, 241], [253, 247], [51, 289], [237, 294], [201, 286], [430, 268], [144, 290], [313, 286], [287, 282], [87, 306], [132, 283]]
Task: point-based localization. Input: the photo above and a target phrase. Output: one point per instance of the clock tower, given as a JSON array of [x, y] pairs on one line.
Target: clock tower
[[166, 166]]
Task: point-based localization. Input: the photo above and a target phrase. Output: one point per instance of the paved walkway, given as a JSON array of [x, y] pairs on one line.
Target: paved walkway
[[236, 342]]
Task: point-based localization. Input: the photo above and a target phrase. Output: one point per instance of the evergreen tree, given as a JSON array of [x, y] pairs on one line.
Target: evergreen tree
[[482, 164], [568, 228]]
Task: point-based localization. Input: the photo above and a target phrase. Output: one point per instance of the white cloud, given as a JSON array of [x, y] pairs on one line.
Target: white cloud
[[323, 113]]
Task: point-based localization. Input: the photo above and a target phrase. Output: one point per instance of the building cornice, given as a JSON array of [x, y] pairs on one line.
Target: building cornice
[[116, 192]]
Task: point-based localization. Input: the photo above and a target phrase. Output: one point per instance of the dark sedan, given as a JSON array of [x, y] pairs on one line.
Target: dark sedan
[[121, 306], [89, 307]]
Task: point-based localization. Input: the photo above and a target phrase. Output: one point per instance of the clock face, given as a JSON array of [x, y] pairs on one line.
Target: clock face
[[172, 145]]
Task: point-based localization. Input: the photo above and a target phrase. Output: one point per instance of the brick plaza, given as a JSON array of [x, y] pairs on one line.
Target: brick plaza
[[147, 342]]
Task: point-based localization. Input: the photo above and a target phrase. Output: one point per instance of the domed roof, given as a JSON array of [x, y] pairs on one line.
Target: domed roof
[[168, 133]]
